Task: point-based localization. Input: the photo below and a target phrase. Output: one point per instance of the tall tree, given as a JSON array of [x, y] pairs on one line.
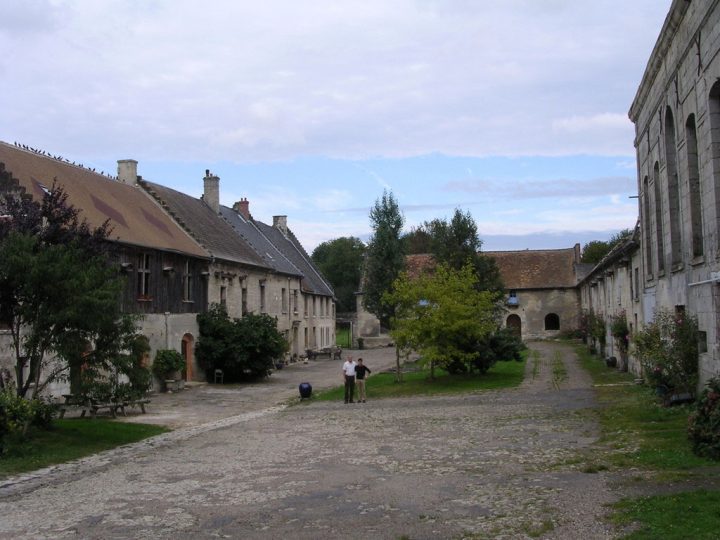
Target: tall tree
[[340, 261], [417, 241], [457, 243], [385, 256], [58, 294]]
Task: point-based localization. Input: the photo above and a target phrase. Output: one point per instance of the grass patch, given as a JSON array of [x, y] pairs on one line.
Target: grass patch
[[417, 383], [535, 363], [70, 439], [342, 337], [694, 514], [646, 434]]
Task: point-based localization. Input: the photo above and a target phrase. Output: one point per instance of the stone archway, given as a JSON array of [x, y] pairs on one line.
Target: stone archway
[[186, 349], [515, 324]]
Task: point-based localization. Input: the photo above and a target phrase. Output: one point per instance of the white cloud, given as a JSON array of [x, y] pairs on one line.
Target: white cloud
[[255, 81]]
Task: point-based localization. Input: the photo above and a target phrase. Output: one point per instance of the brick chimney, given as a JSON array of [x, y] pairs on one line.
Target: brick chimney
[[211, 195], [242, 207], [127, 171], [280, 223]]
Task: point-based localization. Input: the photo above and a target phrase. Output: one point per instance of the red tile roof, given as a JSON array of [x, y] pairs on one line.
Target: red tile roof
[[134, 217], [536, 269]]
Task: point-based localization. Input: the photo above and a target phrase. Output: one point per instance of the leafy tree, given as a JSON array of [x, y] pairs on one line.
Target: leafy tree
[[385, 257], [594, 251], [242, 348], [58, 293], [456, 243], [442, 315], [417, 241], [340, 261]]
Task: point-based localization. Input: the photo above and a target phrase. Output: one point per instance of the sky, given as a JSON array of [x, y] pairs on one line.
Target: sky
[[513, 110]]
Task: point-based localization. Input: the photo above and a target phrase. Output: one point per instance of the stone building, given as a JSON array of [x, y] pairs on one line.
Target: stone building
[[612, 289], [676, 112], [542, 290]]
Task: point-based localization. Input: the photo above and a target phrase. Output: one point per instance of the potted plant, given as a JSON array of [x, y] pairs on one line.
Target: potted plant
[[167, 366]]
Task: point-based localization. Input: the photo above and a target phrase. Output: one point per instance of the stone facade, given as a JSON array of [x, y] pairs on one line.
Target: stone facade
[[676, 113]]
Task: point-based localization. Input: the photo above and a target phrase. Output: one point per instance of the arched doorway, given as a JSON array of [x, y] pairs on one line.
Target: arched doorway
[[552, 321], [515, 324], [186, 349]]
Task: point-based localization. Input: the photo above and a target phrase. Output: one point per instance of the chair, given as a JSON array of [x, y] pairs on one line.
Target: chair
[[218, 376]]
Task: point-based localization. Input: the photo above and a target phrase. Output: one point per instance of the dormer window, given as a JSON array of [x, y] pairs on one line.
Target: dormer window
[[512, 299]]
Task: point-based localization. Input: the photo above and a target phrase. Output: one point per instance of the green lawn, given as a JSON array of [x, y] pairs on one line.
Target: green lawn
[[342, 337], [418, 383], [70, 439], [642, 434]]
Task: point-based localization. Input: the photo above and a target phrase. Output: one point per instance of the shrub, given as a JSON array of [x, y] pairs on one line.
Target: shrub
[[167, 361], [620, 331], [242, 348], [704, 423], [18, 413], [668, 351], [501, 345]]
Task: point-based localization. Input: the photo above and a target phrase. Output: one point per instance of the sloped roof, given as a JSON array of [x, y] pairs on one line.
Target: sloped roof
[[134, 217], [419, 264], [536, 269], [250, 232], [312, 281], [207, 227]]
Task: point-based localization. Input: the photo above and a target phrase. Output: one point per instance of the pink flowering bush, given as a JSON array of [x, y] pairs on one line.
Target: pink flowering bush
[[704, 423]]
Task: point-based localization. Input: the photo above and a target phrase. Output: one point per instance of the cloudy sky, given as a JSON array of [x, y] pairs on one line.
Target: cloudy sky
[[515, 110]]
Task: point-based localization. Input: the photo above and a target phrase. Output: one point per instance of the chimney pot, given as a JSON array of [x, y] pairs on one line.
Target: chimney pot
[[242, 207], [211, 194]]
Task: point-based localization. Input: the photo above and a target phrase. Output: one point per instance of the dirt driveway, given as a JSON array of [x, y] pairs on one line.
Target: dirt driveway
[[485, 465]]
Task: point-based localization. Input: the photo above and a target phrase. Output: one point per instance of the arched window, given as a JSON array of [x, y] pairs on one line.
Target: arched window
[[714, 106], [658, 220], [646, 225], [694, 187], [673, 188], [552, 322]]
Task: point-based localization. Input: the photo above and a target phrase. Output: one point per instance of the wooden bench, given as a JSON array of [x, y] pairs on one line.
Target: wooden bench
[[93, 407], [334, 353]]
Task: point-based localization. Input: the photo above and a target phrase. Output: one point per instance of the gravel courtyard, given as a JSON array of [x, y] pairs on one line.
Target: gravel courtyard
[[496, 464]]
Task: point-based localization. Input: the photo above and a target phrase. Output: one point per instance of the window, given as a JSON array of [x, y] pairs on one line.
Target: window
[[658, 220], [143, 276], [262, 296], [673, 188], [305, 308], [223, 296], [646, 225], [295, 301], [243, 300], [512, 298], [637, 284], [187, 283], [694, 187], [714, 106], [284, 299], [314, 311], [552, 322]]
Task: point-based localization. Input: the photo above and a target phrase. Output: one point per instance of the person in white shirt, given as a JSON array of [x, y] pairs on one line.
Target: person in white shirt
[[348, 370]]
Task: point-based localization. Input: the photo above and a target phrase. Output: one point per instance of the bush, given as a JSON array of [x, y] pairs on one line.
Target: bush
[[501, 345], [704, 423], [242, 348], [668, 351], [167, 361], [18, 413]]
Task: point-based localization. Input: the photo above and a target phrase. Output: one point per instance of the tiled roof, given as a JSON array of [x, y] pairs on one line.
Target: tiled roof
[[536, 269], [207, 227], [312, 280], [250, 232], [417, 265], [134, 217]]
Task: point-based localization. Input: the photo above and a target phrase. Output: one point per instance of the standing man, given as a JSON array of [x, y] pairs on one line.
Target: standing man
[[349, 375], [360, 371]]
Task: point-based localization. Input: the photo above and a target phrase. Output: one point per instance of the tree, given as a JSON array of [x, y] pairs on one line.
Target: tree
[[417, 241], [58, 293], [457, 243], [595, 250], [242, 348], [442, 315], [340, 261], [385, 257]]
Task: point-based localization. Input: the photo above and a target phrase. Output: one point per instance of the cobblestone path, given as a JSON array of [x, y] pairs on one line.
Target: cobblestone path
[[494, 464]]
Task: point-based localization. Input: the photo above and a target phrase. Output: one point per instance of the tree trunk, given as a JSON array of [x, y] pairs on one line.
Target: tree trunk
[[398, 372]]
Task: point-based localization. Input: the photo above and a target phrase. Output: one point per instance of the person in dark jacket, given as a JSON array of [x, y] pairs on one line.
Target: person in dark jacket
[[360, 371]]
